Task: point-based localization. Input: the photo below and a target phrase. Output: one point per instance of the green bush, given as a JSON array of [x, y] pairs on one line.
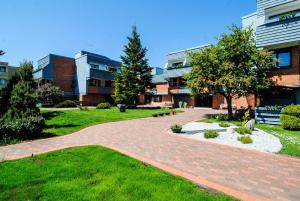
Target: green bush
[[220, 117], [211, 134], [224, 124], [66, 104], [167, 113], [290, 117], [292, 110], [155, 115], [243, 130], [161, 114], [290, 122], [28, 127], [104, 105], [176, 128], [246, 139]]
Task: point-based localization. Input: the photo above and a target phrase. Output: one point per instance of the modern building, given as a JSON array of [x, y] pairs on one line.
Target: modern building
[[6, 72], [87, 78], [277, 28]]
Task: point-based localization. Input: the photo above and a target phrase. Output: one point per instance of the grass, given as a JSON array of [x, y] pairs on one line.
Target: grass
[[94, 173], [69, 121], [289, 139]]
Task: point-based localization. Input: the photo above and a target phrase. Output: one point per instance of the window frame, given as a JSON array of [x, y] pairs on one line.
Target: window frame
[[3, 67], [4, 83], [92, 82], [157, 99], [281, 51]]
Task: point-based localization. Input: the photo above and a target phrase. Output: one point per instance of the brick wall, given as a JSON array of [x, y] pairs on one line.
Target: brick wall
[[218, 99], [289, 76], [162, 87], [63, 73], [91, 99]]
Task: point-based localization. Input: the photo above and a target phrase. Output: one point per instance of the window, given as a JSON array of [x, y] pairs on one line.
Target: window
[[157, 98], [94, 66], [92, 82], [284, 16], [112, 69], [173, 82], [2, 82], [283, 58], [2, 69], [182, 82], [178, 64], [107, 83]]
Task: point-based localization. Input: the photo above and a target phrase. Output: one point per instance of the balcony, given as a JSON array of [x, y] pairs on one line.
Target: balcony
[[100, 90], [278, 33], [179, 90]]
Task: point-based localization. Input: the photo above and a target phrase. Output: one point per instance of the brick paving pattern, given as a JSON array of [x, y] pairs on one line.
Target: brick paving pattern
[[245, 174]]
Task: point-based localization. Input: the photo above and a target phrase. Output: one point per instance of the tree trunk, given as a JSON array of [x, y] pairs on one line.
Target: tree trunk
[[229, 107]]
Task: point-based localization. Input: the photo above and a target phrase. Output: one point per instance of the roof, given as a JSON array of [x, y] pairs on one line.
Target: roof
[[190, 49]]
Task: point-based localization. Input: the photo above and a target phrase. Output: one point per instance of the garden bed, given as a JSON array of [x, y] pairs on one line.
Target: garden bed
[[261, 141]]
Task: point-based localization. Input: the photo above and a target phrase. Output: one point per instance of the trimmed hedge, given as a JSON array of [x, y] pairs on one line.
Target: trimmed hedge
[[104, 105], [66, 104], [176, 128], [211, 134], [290, 117]]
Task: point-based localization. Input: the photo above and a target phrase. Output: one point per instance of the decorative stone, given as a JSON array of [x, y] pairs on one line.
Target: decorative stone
[[250, 124]]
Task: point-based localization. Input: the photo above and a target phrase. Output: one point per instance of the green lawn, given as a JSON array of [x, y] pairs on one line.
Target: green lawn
[[93, 173], [289, 139], [64, 122]]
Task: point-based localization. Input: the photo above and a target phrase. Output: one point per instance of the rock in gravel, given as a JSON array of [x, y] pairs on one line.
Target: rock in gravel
[[250, 124]]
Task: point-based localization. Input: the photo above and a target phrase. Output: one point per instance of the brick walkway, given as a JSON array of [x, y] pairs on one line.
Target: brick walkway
[[245, 174]]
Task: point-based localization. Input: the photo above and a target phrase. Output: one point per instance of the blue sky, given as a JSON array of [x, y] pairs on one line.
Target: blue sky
[[32, 29]]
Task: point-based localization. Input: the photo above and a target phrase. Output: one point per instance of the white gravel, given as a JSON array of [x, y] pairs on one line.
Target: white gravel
[[262, 141]]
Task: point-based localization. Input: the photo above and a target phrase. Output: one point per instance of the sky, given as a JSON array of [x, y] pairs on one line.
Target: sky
[[31, 29]]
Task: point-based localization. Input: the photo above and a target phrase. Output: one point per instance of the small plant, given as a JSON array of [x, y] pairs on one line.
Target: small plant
[[161, 114], [211, 134], [155, 115], [246, 139], [176, 128], [173, 112], [220, 117], [167, 113], [103, 106], [66, 104], [224, 124], [243, 130]]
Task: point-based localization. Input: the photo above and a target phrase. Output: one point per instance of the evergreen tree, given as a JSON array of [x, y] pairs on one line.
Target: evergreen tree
[[2, 52], [135, 75]]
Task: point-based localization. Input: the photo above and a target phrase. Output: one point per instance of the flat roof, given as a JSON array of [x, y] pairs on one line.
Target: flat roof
[[189, 49]]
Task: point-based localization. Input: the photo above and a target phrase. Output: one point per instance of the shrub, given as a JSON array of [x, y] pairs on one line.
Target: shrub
[[176, 128], [246, 139], [211, 134], [161, 114], [224, 124], [66, 103], [103, 106], [28, 127], [220, 117], [290, 117], [243, 130], [155, 115], [290, 122], [49, 95], [167, 113]]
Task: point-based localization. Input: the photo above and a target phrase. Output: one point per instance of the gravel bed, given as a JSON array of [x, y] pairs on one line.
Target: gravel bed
[[262, 141]]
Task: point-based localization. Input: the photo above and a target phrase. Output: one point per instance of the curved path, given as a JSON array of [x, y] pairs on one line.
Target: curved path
[[245, 174]]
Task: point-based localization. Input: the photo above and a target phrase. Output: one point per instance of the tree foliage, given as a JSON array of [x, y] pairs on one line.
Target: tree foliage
[[135, 75], [49, 94], [2, 52], [234, 67]]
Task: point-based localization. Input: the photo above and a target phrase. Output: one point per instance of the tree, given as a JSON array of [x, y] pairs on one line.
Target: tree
[[135, 75], [233, 67], [2, 52], [48, 94]]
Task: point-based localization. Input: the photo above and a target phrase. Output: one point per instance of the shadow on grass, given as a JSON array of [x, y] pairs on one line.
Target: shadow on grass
[[51, 114]]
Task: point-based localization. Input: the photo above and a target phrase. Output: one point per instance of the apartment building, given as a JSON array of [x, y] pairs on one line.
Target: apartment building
[[87, 78], [277, 28], [169, 88], [6, 72]]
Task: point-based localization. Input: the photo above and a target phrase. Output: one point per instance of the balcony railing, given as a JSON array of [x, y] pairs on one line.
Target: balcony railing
[[100, 90]]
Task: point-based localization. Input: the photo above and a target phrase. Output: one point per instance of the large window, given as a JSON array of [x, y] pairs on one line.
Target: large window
[[284, 16], [283, 58], [94, 66], [2, 69], [107, 83], [2, 82]]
